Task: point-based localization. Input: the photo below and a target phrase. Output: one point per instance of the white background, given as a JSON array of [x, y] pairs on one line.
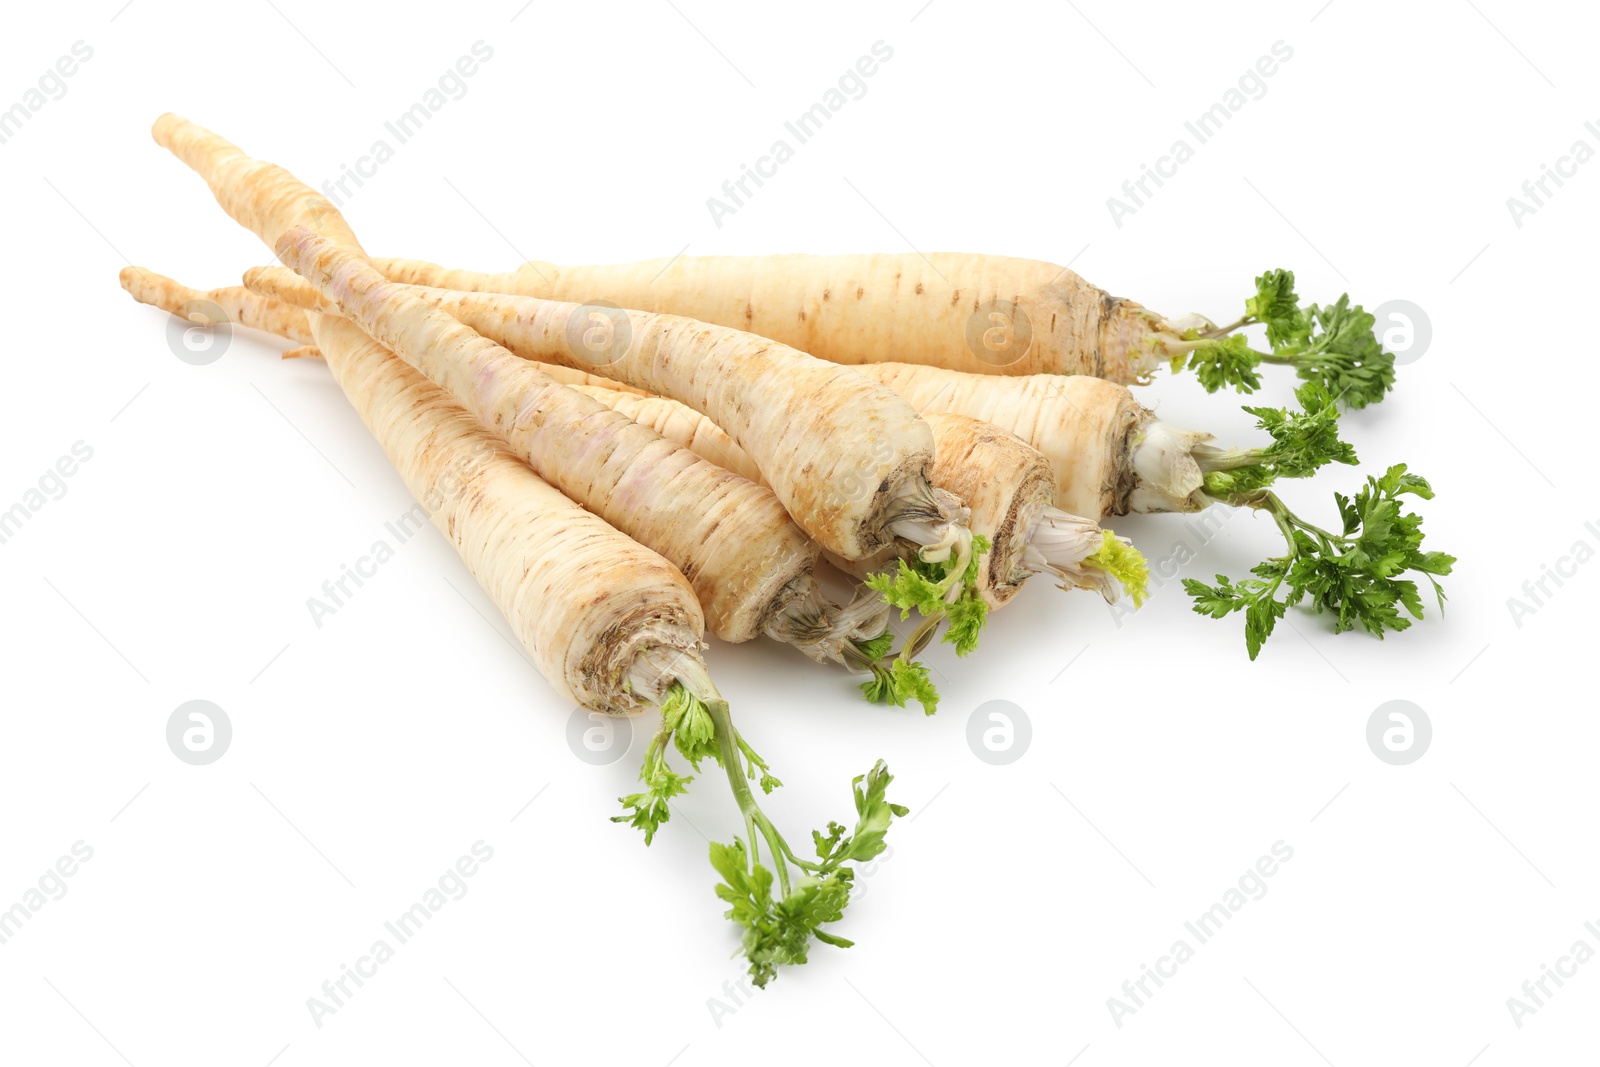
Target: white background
[[369, 754]]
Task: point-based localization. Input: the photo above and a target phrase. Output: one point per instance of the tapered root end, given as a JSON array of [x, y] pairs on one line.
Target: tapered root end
[[281, 283], [165, 127], [157, 290]]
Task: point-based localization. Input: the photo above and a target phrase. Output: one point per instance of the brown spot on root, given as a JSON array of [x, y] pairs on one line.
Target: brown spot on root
[[1119, 481], [859, 291], [826, 293], [802, 314], [919, 288], [955, 298], [1108, 310], [749, 314]]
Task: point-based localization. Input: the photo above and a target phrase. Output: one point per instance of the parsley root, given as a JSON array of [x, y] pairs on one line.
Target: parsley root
[[848, 458], [539, 555], [638, 481], [976, 313], [536, 553], [1112, 456]]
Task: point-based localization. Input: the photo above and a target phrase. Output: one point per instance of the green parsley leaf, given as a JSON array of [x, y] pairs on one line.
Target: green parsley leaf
[[778, 932], [878, 647], [1343, 354], [1355, 576], [1276, 305], [966, 618], [1225, 361], [1124, 563]]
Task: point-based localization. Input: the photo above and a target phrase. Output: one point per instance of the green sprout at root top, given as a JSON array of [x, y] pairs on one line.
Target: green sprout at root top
[[1333, 345], [1124, 563], [901, 680], [896, 679], [685, 724], [937, 590]]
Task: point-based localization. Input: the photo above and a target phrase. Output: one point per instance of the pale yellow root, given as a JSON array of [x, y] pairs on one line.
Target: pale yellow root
[[234, 304], [805, 619], [842, 453], [534, 551], [664, 495], [586, 601], [681, 424], [241, 306], [584, 383], [1089, 429], [977, 313], [268, 200], [732, 539], [567, 376], [1085, 427], [1008, 486], [262, 197], [284, 286], [277, 291]]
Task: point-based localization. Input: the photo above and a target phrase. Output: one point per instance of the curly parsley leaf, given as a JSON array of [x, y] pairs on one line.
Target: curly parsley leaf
[[877, 648], [1333, 345], [693, 732], [777, 931], [1124, 563], [1303, 442], [684, 720], [1343, 354], [1276, 305], [924, 587], [966, 620], [900, 681], [754, 764], [1356, 575], [650, 808], [1306, 440], [908, 589], [1225, 361]]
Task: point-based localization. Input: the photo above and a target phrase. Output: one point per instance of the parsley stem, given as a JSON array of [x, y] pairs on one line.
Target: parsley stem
[[1182, 348], [1209, 458], [755, 819], [1282, 357], [855, 657], [1222, 331], [920, 637], [1286, 520]]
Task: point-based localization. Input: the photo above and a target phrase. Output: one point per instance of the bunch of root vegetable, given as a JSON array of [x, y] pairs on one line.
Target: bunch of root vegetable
[[637, 456]]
